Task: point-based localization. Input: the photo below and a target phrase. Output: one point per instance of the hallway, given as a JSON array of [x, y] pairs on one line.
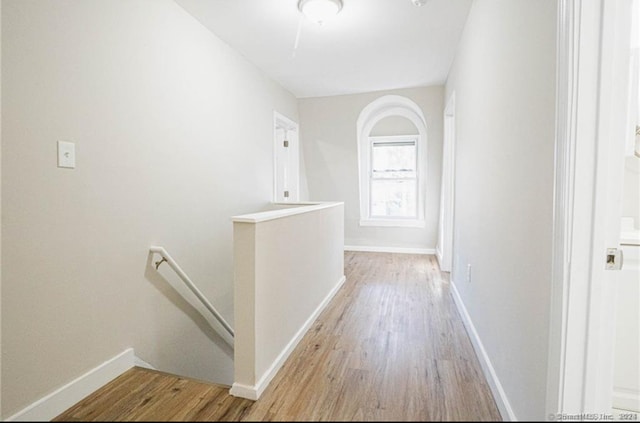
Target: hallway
[[390, 346]]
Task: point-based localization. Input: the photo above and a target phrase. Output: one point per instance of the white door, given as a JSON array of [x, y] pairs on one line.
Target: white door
[[626, 380], [444, 248], [614, 108], [593, 89], [608, 187], [286, 160]]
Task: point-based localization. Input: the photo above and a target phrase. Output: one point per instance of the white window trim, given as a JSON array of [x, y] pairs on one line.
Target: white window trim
[[411, 222], [392, 223], [390, 105]]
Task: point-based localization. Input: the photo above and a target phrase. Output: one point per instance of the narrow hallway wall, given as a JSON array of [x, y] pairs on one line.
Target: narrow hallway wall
[[504, 83], [173, 133]]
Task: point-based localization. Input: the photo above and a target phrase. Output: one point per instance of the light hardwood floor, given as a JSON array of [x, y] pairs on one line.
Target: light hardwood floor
[[390, 346]]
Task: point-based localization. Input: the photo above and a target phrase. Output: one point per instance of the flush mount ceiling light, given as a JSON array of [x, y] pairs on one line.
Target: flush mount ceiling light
[[419, 2], [320, 11]]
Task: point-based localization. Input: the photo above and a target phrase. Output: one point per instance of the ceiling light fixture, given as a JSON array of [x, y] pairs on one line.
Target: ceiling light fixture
[[319, 11], [419, 2]]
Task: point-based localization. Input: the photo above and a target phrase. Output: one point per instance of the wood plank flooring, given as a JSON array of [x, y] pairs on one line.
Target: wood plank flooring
[[390, 346]]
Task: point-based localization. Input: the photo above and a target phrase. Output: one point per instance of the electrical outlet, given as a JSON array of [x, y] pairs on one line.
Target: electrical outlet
[[468, 273]]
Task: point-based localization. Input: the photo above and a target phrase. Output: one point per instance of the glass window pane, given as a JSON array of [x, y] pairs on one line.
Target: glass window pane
[[391, 198], [393, 159]]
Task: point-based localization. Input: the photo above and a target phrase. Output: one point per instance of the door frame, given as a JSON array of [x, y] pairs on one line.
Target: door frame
[[281, 121], [590, 39], [444, 247]]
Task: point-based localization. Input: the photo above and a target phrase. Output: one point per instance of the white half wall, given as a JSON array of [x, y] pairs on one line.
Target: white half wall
[[504, 81], [329, 146], [288, 266], [173, 133]]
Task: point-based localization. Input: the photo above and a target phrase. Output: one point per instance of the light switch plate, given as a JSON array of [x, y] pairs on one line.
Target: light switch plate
[[66, 154]]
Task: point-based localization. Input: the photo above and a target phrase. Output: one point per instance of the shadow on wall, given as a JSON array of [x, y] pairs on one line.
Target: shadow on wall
[[176, 292]]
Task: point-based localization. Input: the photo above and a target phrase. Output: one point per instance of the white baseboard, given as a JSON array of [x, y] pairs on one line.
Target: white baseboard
[[489, 372], [138, 362], [254, 392], [244, 391], [401, 250], [68, 395], [625, 399]]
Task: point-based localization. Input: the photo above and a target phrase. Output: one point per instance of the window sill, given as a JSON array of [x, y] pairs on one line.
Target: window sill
[[394, 223]]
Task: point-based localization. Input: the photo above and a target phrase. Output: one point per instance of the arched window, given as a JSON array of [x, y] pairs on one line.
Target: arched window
[[392, 167]]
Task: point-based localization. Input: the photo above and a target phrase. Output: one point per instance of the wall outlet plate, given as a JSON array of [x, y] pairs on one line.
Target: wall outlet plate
[[66, 155]]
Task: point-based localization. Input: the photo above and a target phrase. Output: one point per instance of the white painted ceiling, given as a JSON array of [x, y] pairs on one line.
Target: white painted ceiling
[[370, 45]]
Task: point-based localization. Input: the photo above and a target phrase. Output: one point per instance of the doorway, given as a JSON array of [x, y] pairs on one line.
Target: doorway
[[592, 108], [285, 159], [444, 247]]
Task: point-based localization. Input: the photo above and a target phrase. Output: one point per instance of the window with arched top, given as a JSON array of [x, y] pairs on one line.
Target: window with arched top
[[392, 166]]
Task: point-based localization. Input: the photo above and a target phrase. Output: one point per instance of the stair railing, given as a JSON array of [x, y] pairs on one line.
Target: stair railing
[[172, 263]]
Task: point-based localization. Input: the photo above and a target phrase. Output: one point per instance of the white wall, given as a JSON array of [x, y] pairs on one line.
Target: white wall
[[504, 81], [393, 125], [329, 144], [173, 132]]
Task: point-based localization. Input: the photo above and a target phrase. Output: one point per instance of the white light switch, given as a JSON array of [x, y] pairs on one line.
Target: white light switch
[[66, 154]]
